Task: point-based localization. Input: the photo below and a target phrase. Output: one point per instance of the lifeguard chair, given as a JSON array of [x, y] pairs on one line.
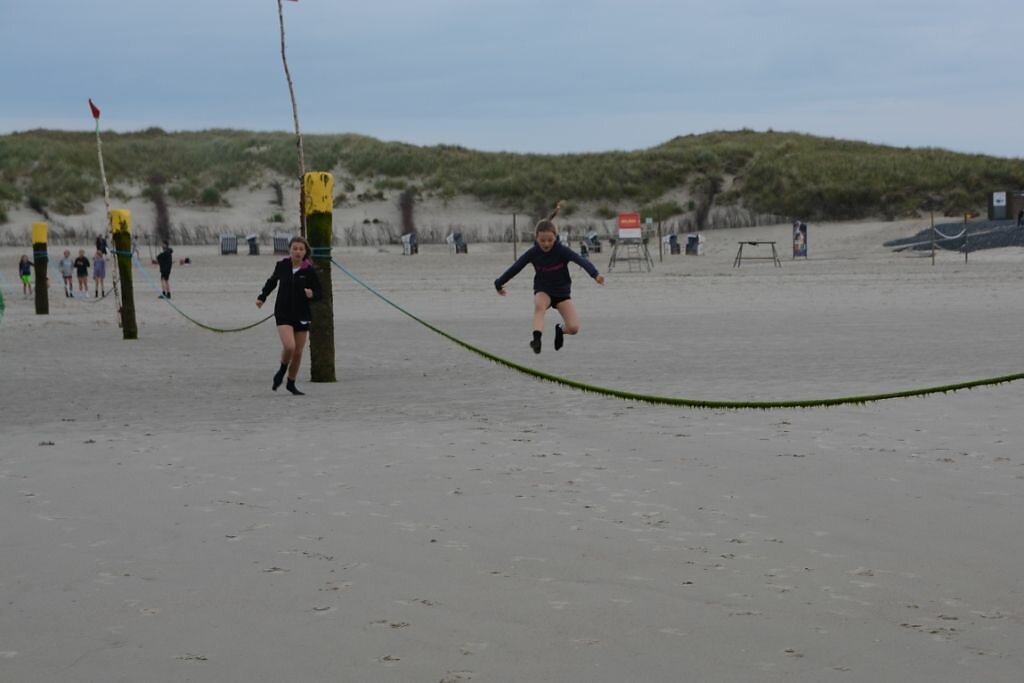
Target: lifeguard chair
[[631, 247]]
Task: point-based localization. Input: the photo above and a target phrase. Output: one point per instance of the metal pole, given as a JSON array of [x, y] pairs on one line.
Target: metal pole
[[933, 238], [661, 251], [966, 238], [515, 238]]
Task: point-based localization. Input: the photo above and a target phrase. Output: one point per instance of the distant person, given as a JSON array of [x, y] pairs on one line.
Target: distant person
[[67, 269], [25, 266], [82, 272], [101, 244], [1020, 218], [165, 259], [99, 273], [552, 284], [297, 285]]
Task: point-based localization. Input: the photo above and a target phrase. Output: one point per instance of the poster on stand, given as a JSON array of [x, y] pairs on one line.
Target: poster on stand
[[799, 239]]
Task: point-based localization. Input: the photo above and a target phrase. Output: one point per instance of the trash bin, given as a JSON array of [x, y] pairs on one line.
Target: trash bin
[[228, 244], [254, 246]]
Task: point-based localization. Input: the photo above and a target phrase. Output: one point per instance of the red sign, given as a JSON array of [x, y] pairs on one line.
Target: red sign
[[629, 220]]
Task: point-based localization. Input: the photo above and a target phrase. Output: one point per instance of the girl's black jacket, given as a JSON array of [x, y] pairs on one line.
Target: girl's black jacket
[[292, 304], [552, 269]]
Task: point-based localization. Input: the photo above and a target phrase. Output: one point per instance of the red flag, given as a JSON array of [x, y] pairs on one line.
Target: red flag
[[96, 110]]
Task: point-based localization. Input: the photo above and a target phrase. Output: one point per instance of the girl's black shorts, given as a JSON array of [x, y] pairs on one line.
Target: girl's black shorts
[[297, 325], [555, 300]]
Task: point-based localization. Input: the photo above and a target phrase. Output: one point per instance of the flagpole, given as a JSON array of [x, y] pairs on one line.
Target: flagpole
[[99, 153], [106, 203], [295, 117]]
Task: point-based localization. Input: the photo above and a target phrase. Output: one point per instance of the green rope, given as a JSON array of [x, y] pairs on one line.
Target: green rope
[[687, 402], [220, 330]]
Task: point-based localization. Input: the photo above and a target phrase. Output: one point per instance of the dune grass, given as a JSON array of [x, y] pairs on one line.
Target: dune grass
[[768, 173]]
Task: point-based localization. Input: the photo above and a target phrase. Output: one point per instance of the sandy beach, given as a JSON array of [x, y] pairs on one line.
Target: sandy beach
[[433, 516]]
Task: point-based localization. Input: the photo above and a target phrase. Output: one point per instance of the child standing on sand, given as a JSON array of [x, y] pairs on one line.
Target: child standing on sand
[[165, 259], [67, 267], [99, 272], [552, 284], [82, 272], [25, 274]]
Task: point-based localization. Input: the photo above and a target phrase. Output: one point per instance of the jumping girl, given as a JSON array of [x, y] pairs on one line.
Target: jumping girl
[[299, 285], [551, 284]]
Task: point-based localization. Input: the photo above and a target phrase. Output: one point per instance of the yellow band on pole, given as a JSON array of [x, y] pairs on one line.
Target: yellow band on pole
[[120, 220], [318, 189], [39, 233]]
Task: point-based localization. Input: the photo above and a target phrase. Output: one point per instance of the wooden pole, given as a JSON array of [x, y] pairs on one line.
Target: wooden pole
[[318, 207], [120, 226], [298, 131], [40, 262]]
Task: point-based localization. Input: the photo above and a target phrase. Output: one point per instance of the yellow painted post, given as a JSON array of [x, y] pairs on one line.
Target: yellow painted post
[[318, 214], [120, 226], [40, 263]]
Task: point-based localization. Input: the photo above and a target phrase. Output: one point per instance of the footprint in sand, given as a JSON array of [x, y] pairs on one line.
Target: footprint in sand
[[456, 676]]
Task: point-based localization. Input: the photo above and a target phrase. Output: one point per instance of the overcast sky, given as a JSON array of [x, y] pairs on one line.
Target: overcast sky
[[526, 75]]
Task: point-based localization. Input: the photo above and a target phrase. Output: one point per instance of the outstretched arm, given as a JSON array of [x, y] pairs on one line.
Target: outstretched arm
[[513, 270], [583, 263]]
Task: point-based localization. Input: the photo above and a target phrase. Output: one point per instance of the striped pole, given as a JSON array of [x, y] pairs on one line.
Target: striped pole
[[40, 259], [120, 226], [318, 210]]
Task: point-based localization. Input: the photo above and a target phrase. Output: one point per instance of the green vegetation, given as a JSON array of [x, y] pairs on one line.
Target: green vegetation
[[781, 174]]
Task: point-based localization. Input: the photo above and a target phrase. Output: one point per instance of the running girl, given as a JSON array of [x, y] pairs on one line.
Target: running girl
[[551, 282], [299, 285]]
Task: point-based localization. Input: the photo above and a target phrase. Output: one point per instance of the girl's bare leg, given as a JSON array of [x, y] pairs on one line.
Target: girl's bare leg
[[571, 323], [541, 303], [287, 335], [300, 345]]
